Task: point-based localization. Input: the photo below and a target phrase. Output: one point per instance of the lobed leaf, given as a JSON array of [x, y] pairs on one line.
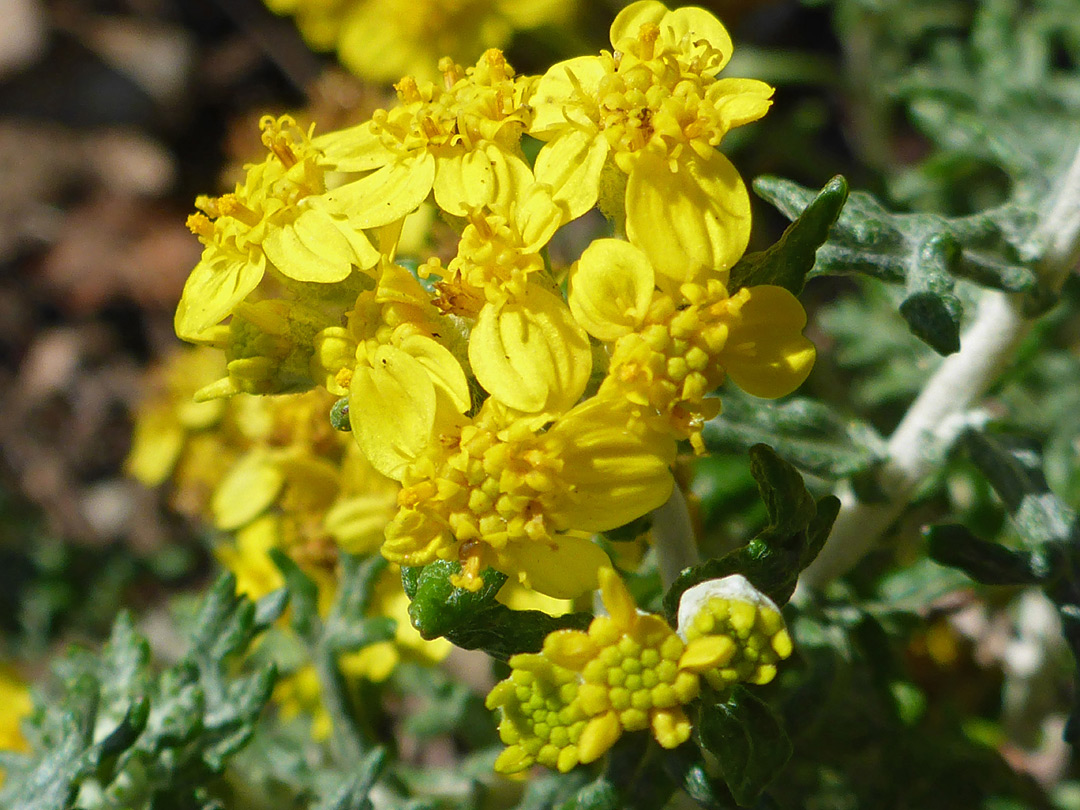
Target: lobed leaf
[[474, 620]]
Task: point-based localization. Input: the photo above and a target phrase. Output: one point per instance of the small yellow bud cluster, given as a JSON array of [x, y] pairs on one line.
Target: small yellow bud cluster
[[542, 720], [743, 628]]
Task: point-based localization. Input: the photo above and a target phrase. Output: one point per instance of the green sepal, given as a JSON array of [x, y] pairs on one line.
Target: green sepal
[[787, 262], [925, 253], [813, 436], [747, 738], [475, 620], [797, 529]]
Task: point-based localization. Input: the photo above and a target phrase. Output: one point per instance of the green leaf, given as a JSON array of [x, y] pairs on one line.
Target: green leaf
[[347, 628], [139, 738], [303, 596], [1013, 466], [787, 262], [686, 767], [474, 620], [925, 253], [983, 561], [748, 740], [353, 793], [812, 435], [772, 560]]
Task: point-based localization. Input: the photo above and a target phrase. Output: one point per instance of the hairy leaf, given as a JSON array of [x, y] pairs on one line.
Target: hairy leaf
[[812, 435], [748, 740], [474, 620], [925, 253], [787, 262]]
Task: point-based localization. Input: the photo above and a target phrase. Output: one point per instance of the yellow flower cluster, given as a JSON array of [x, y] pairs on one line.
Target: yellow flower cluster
[[630, 671], [521, 407], [382, 40]]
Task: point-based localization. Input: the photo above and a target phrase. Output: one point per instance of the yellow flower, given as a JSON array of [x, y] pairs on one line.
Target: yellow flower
[[498, 492], [366, 502], [279, 220], [394, 363], [299, 694], [168, 414], [498, 252], [632, 676], [637, 128], [460, 138], [668, 351], [572, 701]]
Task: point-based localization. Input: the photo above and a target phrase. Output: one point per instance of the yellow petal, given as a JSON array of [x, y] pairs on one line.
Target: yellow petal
[[615, 473], [628, 22], [354, 149], [442, 367], [610, 288], [530, 353], [513, 760], [564, 89], [617, 599], [479, 177], [706, 652], [387, 194], [155, 446], [537, 217], [564, 567], [690, 26], [217, 284], [766, 354], [598, 736], [392, 409], [247, 491], [570, 648], [741, 100], [374, 662], [690, 223], [318, 248], [571, 165], [356, 523]]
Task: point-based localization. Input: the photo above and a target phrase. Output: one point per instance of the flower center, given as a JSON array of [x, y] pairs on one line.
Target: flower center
[[482, 103]]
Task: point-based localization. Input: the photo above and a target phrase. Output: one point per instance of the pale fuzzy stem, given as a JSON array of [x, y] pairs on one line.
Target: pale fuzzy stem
[[1058, 233], [941, 410], [922, 439], [673, 537]]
